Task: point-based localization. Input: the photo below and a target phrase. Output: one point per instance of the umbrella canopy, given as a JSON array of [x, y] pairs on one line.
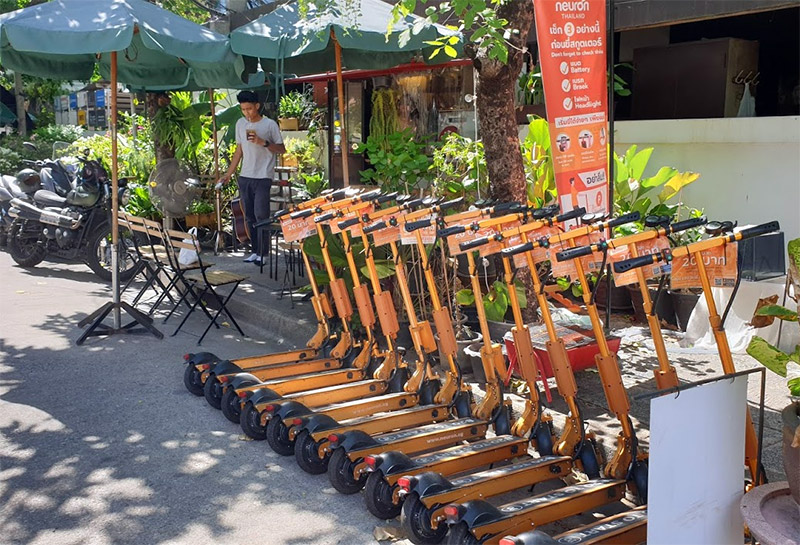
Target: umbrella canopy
[[64, 39], [288, 43], [7, 117]]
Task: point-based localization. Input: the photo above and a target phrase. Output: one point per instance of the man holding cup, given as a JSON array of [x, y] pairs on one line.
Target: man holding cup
[[258, 142]]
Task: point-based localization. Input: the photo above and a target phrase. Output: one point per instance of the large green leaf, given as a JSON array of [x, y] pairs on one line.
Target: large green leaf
[[661, 177], [465, 297], [676, 183], [539, 133], [621, 172], [779, 312], [630, 153], [770, 357], [522, 297], [638, 163], [495, 306], [384, 268]]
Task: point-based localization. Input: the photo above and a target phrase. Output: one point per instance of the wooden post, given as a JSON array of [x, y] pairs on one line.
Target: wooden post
[[217, 192], [343, 145], [114, 194]]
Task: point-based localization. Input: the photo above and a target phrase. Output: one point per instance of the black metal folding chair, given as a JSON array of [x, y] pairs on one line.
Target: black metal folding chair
[[147, 262], [202, 281]]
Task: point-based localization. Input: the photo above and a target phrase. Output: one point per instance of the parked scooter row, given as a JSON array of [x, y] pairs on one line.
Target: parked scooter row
[[349, 405], [48, 211]]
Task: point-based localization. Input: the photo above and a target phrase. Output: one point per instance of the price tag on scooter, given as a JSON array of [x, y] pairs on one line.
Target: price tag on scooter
[[428, 233], [494, 246], [354, 230], [720, 262], [298, 228], [454, 241], [539, 253], [646, 247], [386, 235]]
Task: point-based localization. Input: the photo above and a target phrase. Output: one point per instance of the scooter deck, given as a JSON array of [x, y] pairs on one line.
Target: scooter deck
[[281, 370], [425, 438], [360, 407], [496, 481], [463, 457], [626, 527], [309, 381], [277, 358], [521, 516], [333, 394], [395, 420]]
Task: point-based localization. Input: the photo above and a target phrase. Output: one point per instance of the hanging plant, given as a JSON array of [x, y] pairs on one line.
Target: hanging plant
[[384, 120]]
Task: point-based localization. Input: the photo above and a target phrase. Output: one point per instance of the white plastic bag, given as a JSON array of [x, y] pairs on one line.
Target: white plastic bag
[[187, 256]]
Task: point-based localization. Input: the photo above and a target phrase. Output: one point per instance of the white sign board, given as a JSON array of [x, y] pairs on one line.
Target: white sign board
[[696, 466]]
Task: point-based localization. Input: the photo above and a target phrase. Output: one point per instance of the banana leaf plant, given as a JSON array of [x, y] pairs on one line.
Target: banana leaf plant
[[496, 301]]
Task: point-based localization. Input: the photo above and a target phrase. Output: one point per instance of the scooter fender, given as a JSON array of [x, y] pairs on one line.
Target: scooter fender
[[429, 483], [354, 440], [241, 380], [393, 462], [203, 357], [476, 512], [288, 409], [226, 367], [262, 395], [535, 537], [318, 422]]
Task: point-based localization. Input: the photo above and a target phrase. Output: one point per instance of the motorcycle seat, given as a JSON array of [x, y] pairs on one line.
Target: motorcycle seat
[[13, 187], [48, 198], [5, 194]]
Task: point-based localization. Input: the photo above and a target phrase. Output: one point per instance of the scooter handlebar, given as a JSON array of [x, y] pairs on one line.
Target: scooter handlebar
[[635, 263], [571, 215], [280, 213], [687, 224], [325, 217], [370, 196], [453, 230], [347, 223], [451, 204], [518, 249], [374, 227], [545, 212], [415, 203], [762, 229], [511, 206], [573, 253], [338, 194], [419, 224], [474, 243], [301, 214], [623, 219], [387, 197]]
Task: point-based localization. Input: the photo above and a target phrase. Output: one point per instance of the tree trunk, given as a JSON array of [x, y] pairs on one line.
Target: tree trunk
[[22, 125], [153, 102], [495, 103]]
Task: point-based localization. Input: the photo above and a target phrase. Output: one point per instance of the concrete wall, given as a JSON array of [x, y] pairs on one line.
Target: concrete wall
[[750, 167]]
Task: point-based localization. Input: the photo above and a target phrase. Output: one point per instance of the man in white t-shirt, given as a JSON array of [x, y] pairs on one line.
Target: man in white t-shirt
[[258, 142]]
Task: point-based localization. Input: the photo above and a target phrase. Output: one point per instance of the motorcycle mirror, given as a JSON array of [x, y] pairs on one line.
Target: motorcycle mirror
[[30, 146]]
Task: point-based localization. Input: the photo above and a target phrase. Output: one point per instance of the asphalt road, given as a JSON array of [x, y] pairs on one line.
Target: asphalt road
[[102, 443]]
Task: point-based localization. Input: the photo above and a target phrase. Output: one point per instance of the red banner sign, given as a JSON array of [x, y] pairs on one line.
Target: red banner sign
[[572, 53]]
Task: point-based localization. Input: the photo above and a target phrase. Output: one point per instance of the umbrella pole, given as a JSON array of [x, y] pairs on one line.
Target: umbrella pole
[[217, 192], [97, 327], [340, 88]]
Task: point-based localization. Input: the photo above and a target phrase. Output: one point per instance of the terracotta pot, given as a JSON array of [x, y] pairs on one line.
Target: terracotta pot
[[289, 123], [791, 454], [620, 297]]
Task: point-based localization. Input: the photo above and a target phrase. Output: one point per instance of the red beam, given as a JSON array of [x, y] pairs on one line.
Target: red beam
[[364, 74]]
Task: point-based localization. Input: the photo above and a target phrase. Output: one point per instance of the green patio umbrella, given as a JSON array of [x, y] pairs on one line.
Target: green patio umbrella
[[7, 117], [131, 41], [351, 35]]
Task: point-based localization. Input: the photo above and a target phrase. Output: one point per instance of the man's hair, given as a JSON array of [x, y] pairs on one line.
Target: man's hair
[[247, 96]]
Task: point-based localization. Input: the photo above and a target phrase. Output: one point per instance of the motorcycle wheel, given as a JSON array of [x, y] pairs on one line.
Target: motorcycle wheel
[[98, 254], [25, 250]]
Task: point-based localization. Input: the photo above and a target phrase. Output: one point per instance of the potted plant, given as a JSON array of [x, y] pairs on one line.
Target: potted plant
[[530, 95], [459, 168], [786, 365], [496, 305], [201, 214], [397, 163], [650, 196], [295, 111]]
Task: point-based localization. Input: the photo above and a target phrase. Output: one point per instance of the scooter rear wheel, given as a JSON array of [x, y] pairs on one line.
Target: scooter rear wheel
[[278, 437], [378, 497], [192, 380], [250, 420], [340, 473], [415, 519], [212, 390], [460, 535], [230, 406], [306, 452]]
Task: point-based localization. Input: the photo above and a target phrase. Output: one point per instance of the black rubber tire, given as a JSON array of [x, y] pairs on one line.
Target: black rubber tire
[[340, 473], [544, 439], [278, 437], [250, 421], [192, 380], [378, 497], [212, 391], [460, 535], [29, 254], [94, 251], [306, 453], [415, 519], [230, 405]]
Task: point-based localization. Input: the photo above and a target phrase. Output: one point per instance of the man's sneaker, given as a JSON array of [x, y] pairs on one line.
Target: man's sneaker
[[251, 258], [260, 260]]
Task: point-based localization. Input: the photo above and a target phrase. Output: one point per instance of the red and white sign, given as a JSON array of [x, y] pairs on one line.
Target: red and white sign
[[572, 53]]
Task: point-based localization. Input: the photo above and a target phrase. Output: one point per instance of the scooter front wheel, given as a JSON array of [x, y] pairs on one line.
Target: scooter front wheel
[[378, 497], [306, 452], [192, 380], [230, 406], [415, 519], [212, 390], [278, 437], [340, 473], [250, 420]]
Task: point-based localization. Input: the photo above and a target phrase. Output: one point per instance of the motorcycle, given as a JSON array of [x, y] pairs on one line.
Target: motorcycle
[[72, 224]]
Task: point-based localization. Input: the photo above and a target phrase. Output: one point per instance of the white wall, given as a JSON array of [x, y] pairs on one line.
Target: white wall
[[749, 167]]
